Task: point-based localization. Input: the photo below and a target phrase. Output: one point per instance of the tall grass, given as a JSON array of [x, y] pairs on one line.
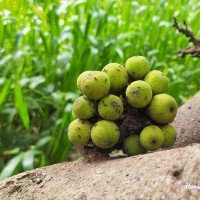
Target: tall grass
[[45, 45]]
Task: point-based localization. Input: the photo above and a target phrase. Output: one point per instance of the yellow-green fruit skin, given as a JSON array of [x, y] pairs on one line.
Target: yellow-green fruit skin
[[169, 135], [137, 67], [162, 108], [95, 85], [79, 132], [132, 146], [152, 137], [105, 134], [81, 77], [118, 76], [83, 108], [139, 94], [110, 107], [158, 81]]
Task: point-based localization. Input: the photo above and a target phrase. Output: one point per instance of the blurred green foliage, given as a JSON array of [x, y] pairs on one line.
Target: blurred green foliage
[[45, 45]]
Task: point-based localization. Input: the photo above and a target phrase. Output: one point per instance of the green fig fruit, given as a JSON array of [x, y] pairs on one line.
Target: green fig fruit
[[105, 134], [95, 85], [79, 132], [81, 77], [139, 94], [169, 135], [158, 81], [132, 146], [137, 67], [110, 107], [152, 137], [118, 76], [84, 108], [162, 108]]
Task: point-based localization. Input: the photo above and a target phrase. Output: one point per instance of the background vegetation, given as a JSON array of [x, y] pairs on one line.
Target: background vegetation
[[45, 45]]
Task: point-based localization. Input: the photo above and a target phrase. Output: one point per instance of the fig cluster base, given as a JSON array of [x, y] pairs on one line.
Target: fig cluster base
[[131, 122]]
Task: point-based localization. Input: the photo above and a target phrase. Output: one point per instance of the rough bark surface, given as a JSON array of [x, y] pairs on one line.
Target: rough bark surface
[[166, 174], [187, 122]]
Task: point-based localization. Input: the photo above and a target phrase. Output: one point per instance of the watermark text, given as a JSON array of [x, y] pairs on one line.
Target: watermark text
[[191, 186]]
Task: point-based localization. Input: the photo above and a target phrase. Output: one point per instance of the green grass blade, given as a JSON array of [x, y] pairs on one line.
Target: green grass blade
[[28, 161], [4, 92], [21, 105], [12, 167]]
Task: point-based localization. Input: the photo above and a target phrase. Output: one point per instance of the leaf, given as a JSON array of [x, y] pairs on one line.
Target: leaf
[[87, 25], [120, 53], [4, 91], [43, 141], [33, 104], [35, 81], [175, 86], [5, 59], [193, 72], [68, 108], [12, 167], [29, 159], [12, 151], [78, 2], [21, 105]]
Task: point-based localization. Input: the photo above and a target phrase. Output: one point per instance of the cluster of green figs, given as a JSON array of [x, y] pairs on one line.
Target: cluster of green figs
[[102, 102]]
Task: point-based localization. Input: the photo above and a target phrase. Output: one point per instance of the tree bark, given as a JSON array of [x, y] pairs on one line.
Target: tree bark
[[193, 51], [164, 174], [187, 122]]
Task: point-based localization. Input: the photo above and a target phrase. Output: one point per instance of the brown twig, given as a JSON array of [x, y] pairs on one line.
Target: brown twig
[[193, 51]]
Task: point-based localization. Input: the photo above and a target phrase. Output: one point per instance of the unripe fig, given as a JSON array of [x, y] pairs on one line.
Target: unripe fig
[[105, 134], [95, 85], [118, 76], [169, 135], [83, 108], [139, 94], [137, 67], [132, 146], [158, 81], [110, 107], [81, 77], [162, 108], [151, 138], [79, 132]]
